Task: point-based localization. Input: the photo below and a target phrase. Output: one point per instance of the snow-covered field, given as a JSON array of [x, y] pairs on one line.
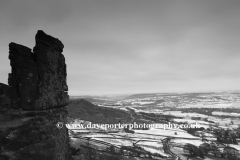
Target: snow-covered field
[[204, 126], [103, 141], [226, 122], [180, 114], [191, 121], [115, 141], [182, 142], [167, 133], [156, 151], [153, 147], [235, 146], [143, 102], [226, 114], [137, 136], [157, 144], [213, 105]]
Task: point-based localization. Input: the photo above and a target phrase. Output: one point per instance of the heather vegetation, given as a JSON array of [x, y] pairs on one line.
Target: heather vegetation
[[90, 112]]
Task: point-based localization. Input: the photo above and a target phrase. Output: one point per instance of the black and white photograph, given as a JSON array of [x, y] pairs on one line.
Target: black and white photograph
[[120, 79]]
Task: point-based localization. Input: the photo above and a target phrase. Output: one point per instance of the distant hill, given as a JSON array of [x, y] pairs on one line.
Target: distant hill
[[134, 96], [93, 100], [146, 95], [116, 97], [85, 110]]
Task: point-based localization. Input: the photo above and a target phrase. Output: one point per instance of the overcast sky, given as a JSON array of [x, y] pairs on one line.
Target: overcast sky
[[132, 46]]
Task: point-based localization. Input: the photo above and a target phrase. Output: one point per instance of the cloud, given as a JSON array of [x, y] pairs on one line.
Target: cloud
[[22, 15], [134, 45]]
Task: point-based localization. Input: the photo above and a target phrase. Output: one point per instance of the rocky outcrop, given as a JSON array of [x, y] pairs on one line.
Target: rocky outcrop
[[38, 78], [34, 102], [24, 77], [52, 72]]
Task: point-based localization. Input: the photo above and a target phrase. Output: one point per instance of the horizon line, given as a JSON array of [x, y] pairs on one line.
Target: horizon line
[[154, 93]]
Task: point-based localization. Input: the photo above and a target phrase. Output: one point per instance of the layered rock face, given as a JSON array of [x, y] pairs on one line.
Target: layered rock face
[[34, 102]]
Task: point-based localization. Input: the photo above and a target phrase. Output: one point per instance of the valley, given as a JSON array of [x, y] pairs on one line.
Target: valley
[[216, 135]]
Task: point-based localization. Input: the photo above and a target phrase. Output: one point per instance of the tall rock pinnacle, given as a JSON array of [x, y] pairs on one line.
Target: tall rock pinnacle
[[38, 78]]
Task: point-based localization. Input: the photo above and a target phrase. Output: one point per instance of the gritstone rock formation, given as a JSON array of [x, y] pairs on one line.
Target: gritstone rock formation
[[38, 80], [34, 102]]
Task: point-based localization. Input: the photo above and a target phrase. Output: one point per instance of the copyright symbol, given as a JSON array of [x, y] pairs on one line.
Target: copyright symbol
[[59, 125]]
